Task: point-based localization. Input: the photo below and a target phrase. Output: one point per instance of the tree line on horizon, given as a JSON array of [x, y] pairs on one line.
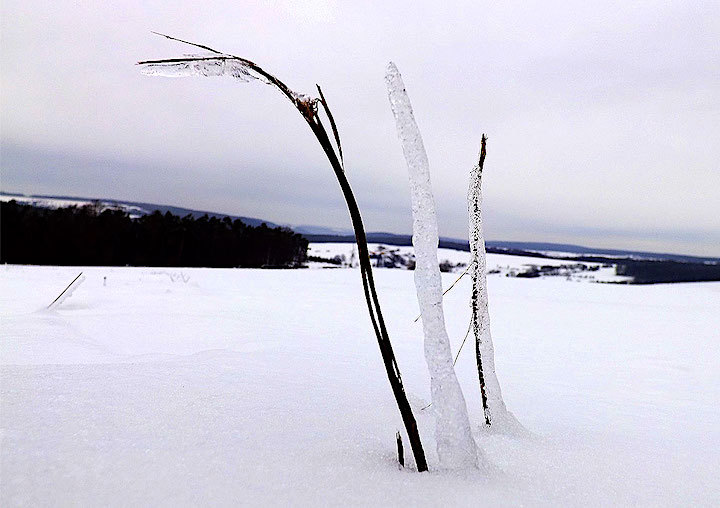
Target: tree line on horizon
[[92, 236]]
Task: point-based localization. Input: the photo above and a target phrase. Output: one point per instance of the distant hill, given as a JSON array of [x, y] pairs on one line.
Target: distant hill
[[579, 249], [536, 249], [321, 230]]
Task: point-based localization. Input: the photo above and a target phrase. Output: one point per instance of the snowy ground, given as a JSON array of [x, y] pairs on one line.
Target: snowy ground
[[259, 387]]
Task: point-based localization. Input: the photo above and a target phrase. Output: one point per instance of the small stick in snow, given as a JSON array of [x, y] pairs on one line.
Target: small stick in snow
[[65, 290]]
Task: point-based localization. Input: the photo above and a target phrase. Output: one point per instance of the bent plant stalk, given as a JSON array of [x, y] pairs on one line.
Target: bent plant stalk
[[222, 64]]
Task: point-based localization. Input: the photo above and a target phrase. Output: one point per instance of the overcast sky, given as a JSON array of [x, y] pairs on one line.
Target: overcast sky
[[603, 118]]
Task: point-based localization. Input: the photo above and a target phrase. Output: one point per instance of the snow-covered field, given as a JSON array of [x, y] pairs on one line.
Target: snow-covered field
[[265, 387]]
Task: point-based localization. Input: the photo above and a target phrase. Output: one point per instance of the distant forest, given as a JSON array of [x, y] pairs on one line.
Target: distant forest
[[653, 272], [90, 236]]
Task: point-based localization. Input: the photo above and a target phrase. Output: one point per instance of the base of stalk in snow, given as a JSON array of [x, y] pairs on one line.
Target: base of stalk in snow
[[401, 452]]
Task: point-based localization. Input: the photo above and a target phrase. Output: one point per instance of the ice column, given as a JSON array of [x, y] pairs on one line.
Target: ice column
[[455, 444]]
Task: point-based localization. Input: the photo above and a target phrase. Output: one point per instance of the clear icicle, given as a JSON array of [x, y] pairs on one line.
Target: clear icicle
[[497, 417], [202, 66], [455, 444]]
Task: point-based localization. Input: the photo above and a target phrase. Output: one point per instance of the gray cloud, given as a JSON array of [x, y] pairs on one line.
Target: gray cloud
[[602, 117]]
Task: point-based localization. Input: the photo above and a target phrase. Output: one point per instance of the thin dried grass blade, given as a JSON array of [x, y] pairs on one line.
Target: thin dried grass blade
[[332, 124]]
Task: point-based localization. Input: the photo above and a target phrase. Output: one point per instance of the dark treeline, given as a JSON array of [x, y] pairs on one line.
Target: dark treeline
[[653, 272], [89, 236]]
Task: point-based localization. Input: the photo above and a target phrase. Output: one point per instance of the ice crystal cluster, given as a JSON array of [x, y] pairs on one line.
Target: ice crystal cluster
[[197, 65]]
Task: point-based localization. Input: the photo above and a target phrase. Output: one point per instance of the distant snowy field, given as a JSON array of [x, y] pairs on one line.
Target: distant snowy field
[[265, 387], [132, 211], [497, 264]]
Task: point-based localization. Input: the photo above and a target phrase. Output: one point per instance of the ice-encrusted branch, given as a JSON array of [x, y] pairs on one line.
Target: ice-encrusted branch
[[496, 414], [222, 64], [455, 444]]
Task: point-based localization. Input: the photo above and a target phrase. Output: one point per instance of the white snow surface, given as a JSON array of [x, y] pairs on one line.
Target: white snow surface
[[265, 387], [455, 445]]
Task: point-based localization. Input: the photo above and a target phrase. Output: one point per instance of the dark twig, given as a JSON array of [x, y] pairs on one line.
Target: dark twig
[[332, 124], [451, 286], [188, 42], [463, 343], [65, 290], [401, 452]]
